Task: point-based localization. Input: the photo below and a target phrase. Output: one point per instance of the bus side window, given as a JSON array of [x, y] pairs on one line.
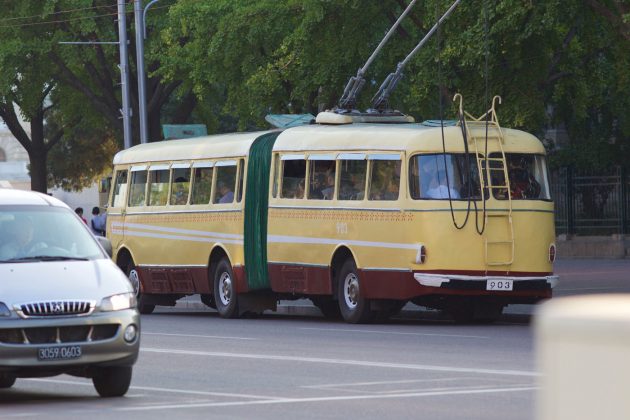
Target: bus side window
[[352, 174], [321, 183], [241, 170], [120, 189], [293, 177], [202, 185], [276, 176], [385, 180], [180, 187], [226, 181], [158, 187], [137, 194]]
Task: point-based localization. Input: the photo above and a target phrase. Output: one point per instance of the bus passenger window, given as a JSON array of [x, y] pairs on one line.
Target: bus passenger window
[[158, 187], [226, 180], [137, 196], [385, 180], [352, 175], [120, 189], [180, 187], [293, 177], [321, 183], [202, 186]]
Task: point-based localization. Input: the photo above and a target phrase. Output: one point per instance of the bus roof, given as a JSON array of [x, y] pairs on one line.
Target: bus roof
[[398, 137], [320, 137], [206, 147]]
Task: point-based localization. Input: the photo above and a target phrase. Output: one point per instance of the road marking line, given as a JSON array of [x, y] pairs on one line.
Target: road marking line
[[392, 332], [329, 399], [341, 362], [177, 391], [407, 381], [199, 336]]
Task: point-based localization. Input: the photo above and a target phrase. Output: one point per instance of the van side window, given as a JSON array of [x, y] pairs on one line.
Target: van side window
[[293, 177], [202, 185], [137, 193], [158, 187], [180, 187], [321, 183], [120, 189], [384, 180], [352, 175], [226, 182]]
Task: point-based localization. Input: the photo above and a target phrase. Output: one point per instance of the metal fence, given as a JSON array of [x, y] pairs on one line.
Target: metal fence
[[590, 203]]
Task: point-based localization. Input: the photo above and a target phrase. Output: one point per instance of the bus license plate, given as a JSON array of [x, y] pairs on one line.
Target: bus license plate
[[59, 353], [499, 285]]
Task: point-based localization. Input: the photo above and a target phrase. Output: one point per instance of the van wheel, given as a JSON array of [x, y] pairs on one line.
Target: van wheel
[[134, 278], [225, 296], [112, 381], [354, 308], [6, 380]]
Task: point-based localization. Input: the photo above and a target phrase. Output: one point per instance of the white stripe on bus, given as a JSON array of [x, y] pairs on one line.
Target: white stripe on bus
[[176, 230]]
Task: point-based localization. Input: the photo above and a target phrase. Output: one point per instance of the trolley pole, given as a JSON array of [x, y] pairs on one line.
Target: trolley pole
[[142, 95], [124, 73]]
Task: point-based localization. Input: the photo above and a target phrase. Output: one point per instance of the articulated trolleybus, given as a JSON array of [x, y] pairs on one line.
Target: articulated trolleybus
[[359, 213]]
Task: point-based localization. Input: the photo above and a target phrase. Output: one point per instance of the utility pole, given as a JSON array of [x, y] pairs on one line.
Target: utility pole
[[124, 73], [142, 96]]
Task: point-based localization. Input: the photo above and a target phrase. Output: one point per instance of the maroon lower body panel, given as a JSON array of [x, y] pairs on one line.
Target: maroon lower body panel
[[300, 279], [174, 280]]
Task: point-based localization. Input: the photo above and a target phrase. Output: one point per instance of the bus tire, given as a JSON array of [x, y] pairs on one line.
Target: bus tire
[[327, 306], [225, 296], [354, 308], [134, 278]]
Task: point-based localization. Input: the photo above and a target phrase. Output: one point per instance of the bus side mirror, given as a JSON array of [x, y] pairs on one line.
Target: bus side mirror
[[106, 244]]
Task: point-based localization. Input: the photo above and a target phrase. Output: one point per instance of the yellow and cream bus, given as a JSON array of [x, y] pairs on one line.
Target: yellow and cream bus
[[360, 214]]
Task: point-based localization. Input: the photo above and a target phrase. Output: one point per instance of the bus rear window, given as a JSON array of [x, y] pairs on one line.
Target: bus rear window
[[434, 176], [527, 174]]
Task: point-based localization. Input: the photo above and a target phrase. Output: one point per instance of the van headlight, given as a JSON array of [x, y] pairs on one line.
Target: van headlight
[[119, 302], [4, 310]]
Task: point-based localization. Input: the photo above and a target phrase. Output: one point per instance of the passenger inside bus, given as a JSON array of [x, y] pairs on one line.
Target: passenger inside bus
[[523, 185], [179, 195], [226, 194]]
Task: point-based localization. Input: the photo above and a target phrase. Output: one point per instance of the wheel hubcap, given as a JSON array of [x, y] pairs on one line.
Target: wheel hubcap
[[351, 290], [135, 281], [225, 288]]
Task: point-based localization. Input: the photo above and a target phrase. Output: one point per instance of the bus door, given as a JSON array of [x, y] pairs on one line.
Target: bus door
[[117, 208]]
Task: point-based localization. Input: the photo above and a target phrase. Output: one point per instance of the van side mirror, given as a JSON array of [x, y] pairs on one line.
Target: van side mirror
[[106, 244]]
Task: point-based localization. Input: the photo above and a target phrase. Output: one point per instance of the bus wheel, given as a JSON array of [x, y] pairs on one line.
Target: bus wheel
[[225, 295], [353, 306], [134, 278], [328, 307]]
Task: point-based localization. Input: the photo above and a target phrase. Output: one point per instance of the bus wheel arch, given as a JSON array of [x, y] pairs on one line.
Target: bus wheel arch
[[125, 261], [223, 283]]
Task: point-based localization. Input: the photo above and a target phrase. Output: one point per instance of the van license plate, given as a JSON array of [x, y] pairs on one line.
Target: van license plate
[[500, 285], [59, 353]]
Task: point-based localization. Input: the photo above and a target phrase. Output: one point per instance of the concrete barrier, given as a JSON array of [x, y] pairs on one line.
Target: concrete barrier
[[583, 355], [613, 246]]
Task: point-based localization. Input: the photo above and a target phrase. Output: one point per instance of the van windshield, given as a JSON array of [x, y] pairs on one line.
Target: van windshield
[[44, 233]]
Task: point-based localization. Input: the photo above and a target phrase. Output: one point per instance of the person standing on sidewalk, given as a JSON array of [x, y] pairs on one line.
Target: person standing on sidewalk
[[98, 222]]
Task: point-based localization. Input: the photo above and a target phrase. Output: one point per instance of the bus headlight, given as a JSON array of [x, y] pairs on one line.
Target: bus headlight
[[119, 302]]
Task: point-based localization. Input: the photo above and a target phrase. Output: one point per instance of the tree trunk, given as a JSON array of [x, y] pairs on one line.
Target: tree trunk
[[38, 171]]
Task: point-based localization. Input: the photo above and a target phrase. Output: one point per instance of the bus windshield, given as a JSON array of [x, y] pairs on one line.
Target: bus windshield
[[527, 174]]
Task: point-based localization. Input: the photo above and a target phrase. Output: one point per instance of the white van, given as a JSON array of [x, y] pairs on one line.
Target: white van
[[65, 307]]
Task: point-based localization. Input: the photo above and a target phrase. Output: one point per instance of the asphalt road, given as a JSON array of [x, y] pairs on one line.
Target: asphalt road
[[420, 365]]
